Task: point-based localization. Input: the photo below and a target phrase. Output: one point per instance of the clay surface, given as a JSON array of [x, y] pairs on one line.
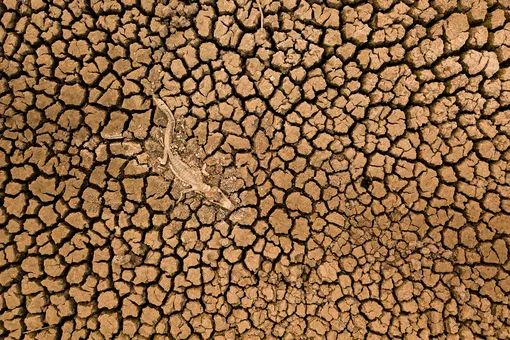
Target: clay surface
[[365, 145]]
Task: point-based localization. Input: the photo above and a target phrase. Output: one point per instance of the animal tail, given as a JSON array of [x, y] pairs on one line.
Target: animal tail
[[170, 127]]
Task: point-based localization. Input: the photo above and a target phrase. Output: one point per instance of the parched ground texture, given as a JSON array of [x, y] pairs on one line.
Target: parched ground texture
[[365, 145]]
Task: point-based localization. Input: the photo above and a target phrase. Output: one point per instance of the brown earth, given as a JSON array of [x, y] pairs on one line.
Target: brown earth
[[365, 145]]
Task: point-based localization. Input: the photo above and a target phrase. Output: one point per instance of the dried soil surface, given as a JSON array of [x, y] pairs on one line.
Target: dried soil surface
[[365, 145]]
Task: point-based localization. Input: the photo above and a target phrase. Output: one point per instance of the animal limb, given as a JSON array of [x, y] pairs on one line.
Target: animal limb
[[184, 192], [204, 172]]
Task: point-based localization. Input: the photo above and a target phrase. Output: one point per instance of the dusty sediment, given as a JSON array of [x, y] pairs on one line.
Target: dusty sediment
[[365, 145]]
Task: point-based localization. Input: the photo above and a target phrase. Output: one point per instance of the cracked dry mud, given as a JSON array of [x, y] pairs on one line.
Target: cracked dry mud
[[365, 145]]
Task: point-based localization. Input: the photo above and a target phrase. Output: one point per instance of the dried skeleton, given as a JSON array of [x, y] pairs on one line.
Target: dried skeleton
[[193, 177]]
